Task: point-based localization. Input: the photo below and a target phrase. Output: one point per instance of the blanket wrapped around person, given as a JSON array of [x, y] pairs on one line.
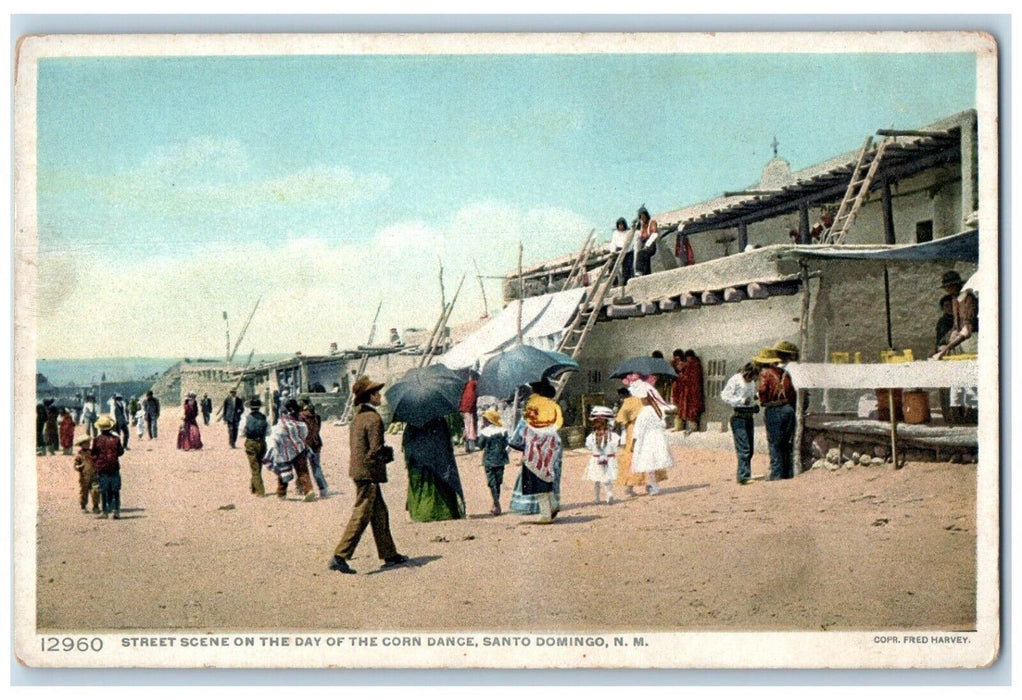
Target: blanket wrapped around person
[[434, 485], [538, 488]]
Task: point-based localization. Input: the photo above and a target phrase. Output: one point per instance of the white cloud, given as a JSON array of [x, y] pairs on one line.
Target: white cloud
[[315, 290]]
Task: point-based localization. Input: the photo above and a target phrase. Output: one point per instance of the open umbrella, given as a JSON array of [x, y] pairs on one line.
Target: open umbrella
[[645, 365], [504, 373], [424, 394]]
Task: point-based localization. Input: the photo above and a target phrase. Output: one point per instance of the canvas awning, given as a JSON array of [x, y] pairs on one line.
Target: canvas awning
[[963, 247], [544, 321], [906, 375]]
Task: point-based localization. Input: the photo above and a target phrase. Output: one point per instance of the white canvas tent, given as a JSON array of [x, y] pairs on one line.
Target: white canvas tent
[[544, 320]]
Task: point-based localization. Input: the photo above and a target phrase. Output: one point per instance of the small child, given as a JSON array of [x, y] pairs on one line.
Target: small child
[[66, 431], [140, 421], [88, 484], [492, 440], [602, 444]]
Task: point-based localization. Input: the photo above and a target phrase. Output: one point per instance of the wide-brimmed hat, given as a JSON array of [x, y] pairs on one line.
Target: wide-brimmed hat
[[766, 356], [255, 403], [364, 386], [601, 412], [493, 418], [105, 423], [950, 279], [82, 440], [783, 347]]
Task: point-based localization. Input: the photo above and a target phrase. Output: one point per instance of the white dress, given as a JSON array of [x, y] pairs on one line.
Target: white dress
[[649, 447], [602, 465]]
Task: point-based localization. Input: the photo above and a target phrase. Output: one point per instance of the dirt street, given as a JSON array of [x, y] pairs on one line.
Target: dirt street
[[868, 547]]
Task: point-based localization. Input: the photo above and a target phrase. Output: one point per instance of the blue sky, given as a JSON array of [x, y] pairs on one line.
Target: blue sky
[[186, 186]]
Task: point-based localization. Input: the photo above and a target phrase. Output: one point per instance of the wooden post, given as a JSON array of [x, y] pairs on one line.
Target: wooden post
[[521, 294], [486, 306], [888, 210], [803, 223], [800, 396], [894, 429], [887, 306]]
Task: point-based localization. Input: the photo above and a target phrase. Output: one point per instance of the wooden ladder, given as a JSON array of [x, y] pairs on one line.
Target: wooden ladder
[[863, 173], [578, 269], [589, 309]]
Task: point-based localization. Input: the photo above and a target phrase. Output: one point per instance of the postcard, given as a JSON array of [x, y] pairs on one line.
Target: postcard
[[594, 350]]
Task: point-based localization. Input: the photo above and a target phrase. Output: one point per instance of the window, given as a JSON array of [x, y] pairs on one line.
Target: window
[[595, 379], [924, 231]]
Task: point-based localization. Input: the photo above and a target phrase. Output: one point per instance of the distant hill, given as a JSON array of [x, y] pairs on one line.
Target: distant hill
[[85, 372]]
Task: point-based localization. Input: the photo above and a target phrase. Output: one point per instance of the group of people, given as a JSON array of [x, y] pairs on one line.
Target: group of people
[[764, 384], [638, 258]]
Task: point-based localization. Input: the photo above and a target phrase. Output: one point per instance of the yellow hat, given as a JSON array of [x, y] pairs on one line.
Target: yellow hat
[[785, 348], [83, 439], [105, 423], [493, 417], [767, 356]]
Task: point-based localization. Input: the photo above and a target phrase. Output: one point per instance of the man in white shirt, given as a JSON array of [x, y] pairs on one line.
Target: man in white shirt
[[740, 394]]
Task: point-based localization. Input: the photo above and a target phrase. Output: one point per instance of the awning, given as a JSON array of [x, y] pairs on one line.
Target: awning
[[544, 321], [926, 374], [963, 247]]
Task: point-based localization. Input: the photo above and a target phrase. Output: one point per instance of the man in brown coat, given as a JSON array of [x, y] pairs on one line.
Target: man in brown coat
[[368, 469]]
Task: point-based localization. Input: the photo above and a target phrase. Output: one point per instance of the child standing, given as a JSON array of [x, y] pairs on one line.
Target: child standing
[[86, 468], [602, 444], [106, 452], [66, 431], [492, 440]]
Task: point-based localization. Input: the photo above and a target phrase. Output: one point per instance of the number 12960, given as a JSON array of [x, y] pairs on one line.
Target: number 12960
[[71, 643]]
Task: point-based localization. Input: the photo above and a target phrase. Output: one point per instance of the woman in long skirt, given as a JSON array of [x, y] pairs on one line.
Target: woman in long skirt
[[434, 486], [188, 437], [538, 489]]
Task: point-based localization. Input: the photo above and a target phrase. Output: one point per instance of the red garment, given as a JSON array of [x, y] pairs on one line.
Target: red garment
[[683, 250], [677, 385], [775, 386], [690, 396], [311, 420], [188, 435], [67, 432], [106, 448], [468, 398]]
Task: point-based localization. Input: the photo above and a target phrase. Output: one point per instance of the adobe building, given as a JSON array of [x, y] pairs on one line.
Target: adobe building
[[759, 249]]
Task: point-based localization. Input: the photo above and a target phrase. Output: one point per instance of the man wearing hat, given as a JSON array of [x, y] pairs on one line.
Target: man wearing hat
[[959, 403], [777, 397], [367, 467], [740, 394], [233, 407], [119, 413], [151, 408], [965, 312], [255, 444]]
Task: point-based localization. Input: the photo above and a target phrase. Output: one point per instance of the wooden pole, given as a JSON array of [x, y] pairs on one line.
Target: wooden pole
[[479, 277], [443, 296], [887, 305], [521, 294], [894, 429], [800, 396]]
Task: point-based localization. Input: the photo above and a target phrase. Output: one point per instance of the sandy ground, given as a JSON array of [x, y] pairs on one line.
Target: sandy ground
[[864, 548]]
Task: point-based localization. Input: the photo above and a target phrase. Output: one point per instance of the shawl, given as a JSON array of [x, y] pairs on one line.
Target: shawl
[[542, 446], [286, 440]]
